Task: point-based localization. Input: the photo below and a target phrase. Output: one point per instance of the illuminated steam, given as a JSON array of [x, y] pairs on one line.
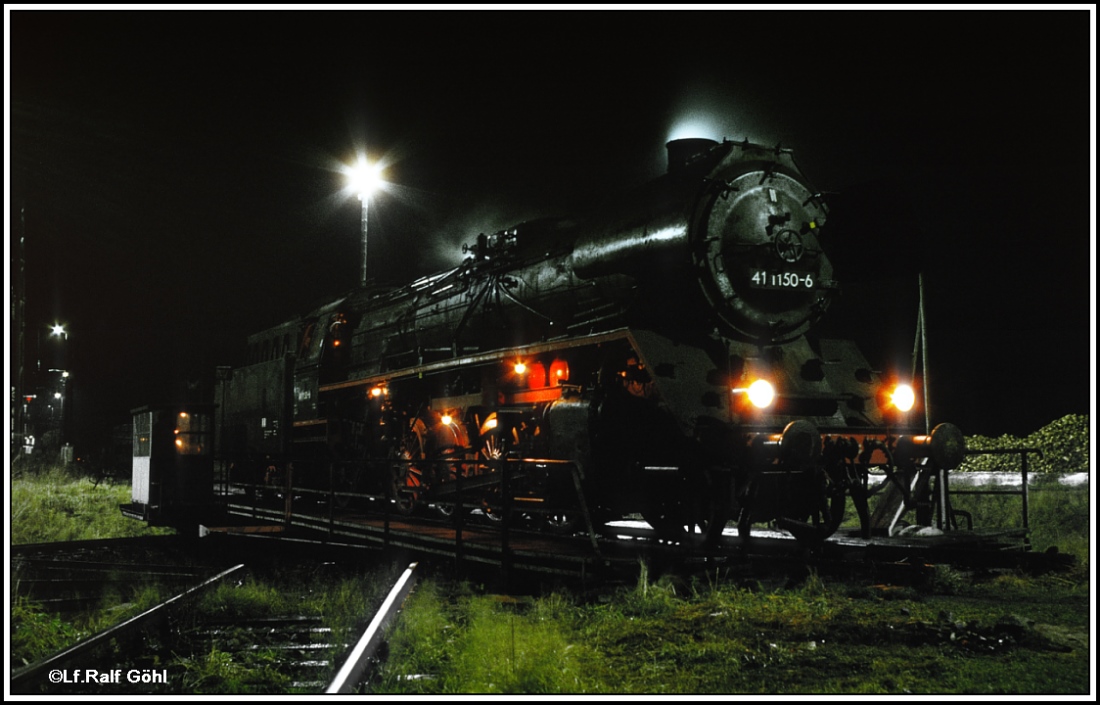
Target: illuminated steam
[[722, 112], [445, 247]]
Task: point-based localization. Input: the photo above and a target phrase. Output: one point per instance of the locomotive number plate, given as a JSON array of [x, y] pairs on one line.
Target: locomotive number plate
[[761, 279]]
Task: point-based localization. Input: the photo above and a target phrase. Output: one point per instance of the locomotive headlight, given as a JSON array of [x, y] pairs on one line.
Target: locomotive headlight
[[903, 397], [761, 393]]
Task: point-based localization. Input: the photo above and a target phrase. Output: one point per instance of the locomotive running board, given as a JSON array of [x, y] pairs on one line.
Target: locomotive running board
[[483, 358]]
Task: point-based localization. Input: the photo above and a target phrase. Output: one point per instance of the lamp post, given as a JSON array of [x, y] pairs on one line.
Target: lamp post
[[59, 379], [364, 179]]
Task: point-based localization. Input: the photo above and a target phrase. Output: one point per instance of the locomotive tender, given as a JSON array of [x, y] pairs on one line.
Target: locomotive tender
[[658, 358]]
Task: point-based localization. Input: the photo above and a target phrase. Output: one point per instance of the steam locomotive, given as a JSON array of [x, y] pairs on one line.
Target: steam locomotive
[[660, 357]]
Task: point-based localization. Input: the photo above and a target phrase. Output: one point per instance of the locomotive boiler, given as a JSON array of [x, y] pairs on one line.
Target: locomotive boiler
[[658, 357]]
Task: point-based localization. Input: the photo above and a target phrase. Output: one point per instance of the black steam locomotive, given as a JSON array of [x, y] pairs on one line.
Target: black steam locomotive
[[658, 358]]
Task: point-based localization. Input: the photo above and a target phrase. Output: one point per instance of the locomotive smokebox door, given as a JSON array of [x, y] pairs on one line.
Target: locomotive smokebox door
[[173, 466]]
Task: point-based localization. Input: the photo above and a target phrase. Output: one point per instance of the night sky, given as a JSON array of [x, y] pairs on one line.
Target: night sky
[[178, 172]]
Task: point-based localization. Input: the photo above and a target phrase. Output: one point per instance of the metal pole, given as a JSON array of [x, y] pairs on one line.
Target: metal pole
[[1023, 491], [506, 521], [19, 321], [363, 227], [924, 355], [458, 512]]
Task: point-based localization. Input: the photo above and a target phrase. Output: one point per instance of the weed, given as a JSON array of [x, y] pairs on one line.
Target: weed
[[221, 672], [37, 633], [481, 644], [817, 637], [54, 504], [945, 580]]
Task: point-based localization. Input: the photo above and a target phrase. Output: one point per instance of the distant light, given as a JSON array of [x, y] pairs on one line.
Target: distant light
[[446, 419], [57, 330], [57, 395], [520, 368], [376, 391]]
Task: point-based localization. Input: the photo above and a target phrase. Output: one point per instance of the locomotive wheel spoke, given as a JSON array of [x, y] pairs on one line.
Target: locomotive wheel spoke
[[408, 484], [492, 450], [406, 488]]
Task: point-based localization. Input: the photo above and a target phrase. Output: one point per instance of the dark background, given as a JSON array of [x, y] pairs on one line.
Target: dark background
[[176, 173]]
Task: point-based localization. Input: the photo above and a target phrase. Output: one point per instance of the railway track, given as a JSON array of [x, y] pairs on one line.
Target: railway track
[[68, 670], [76, 576], [231, 644], [362, 659], [511, 547]]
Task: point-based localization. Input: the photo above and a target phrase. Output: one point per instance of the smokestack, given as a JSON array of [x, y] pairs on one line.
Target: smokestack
[[683, 152]]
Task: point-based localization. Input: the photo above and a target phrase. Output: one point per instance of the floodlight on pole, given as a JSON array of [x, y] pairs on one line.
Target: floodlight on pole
[[364, 179], [60, 382]]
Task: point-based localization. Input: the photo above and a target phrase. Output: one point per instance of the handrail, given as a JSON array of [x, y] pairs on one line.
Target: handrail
[[502, 470], [1023, 492]]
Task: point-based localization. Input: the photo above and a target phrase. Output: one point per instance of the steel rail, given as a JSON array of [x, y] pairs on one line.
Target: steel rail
[[351, 673], [36, 669]]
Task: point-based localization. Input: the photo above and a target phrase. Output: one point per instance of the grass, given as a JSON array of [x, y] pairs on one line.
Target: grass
[[56, 504], [679, 637], [217, 672], [37, 633], [466, 643]]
